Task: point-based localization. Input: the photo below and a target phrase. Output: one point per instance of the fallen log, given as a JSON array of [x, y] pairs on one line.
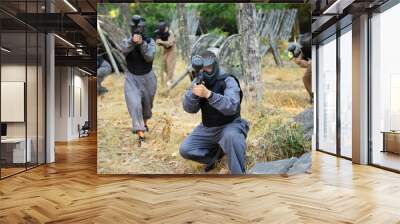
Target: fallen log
[[108, 49], [113, 36], [180, 78]]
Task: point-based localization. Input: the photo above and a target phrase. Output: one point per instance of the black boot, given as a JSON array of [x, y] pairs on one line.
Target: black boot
[[140, 140], [102, 90], [216, 158]]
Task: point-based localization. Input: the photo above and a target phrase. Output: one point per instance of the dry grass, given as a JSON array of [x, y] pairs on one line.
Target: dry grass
[[284, 97]]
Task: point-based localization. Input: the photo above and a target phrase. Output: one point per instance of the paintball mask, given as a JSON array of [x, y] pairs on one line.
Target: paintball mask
[[294, 50], [200, 74], [137, 25], [162, 26], [162, 31], [197, 64], [302, 46]]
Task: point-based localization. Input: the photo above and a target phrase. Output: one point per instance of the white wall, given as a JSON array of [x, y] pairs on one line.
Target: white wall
[[71, 87], [80, 83], [12, 73], [33, 126], [13, 101], [62, 81], [16, 73]]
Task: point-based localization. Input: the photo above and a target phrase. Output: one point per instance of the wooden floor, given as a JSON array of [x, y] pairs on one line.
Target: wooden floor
[[70, 191], [10, 171], [387, 159]]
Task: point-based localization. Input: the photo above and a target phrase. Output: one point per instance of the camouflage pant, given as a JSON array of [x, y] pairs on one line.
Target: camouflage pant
[[169, 57], [307, 81]]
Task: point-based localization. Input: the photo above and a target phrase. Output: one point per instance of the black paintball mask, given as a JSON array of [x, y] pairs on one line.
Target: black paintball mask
[[162, 31], [137, 25], [162, 27], [295, 49], [202, 75], [210, 60]]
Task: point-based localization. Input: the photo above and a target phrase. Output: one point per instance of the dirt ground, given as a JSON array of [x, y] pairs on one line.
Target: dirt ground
[[117, 149]]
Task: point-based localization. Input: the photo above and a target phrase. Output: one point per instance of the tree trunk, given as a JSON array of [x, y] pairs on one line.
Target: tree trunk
[[250, 56], [126, 17], [183, 32]]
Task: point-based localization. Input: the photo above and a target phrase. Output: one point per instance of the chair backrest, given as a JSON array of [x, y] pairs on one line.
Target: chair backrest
[[86, 125]]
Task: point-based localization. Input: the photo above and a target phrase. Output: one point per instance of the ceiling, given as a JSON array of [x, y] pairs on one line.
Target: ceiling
[[74, 22], [329, 15]]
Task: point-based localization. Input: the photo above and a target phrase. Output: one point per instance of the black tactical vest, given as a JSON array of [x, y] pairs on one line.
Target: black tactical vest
[[135, 61], [210, 116]]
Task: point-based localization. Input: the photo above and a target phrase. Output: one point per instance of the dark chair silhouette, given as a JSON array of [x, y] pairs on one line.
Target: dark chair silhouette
[[84, 130]]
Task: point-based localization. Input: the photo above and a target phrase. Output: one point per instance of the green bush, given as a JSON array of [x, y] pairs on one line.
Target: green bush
[[219, 31], [213, 16], [153, 13], [275, 138]]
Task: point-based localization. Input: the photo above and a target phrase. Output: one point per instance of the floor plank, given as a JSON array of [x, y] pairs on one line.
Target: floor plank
[[70, 191]]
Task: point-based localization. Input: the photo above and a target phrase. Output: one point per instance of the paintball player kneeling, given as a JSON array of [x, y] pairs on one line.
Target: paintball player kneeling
[[140, 81], [222, 130]]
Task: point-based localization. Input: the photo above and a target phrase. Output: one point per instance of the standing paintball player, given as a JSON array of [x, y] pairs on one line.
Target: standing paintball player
[[302, 57], [304, 61], [222, 131], [166, 39], [140, 80]]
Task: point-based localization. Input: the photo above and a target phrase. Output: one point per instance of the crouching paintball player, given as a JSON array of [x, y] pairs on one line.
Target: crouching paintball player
[[222, 130]]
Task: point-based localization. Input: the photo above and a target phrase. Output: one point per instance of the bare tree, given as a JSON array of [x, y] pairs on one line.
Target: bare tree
[[183, 32], [246, 17], [126, 16]]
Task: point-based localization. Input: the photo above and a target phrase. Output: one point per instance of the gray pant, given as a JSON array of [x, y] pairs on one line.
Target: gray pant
[[201, 145], [139, 96]]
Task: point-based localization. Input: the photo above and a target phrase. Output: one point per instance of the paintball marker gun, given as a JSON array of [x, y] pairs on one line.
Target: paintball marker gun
[[194, 71], [197, 65]]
